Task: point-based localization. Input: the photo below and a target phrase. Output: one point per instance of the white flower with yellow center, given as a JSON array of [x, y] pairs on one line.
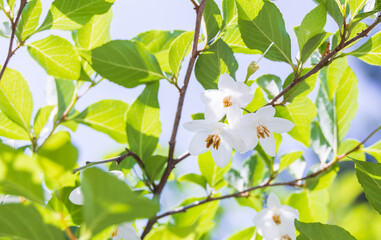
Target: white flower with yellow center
[[276, 222], [217, 137], [259, 126], [230, 97]]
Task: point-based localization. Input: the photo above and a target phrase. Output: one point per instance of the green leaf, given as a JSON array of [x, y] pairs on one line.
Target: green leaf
[[253, 171], [232, 37], [194, 178], [311, 205], [313, 23], [12, 130], [301, 113], [369, 176], [246, 234], [65, 96], [302, 89], [29, 20], [15, 98], [271, 84], [261, 23], [323, 180], [333, 74], [257, 102], [347, 146], [41, 119], [178, 50], [212, 19], [370, 52], [126, 63], [19, 175], [57, 158], [212, 173], [312, 44], [198, 116], [19, 221], [158, 42], [287, 159], [317, 231], [109, 201], [143, 122], [73, 14], [213, 62], [154, 166], [319, 143], [57, 56], [374, 150], [94, 33], [355, 6], [333, 10], [107, 116]]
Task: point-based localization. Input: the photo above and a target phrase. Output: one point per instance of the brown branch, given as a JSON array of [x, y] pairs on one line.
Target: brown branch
[[12, 38], [245, 193], [117, 159], [182, 157], [171, 161], [326, 60]]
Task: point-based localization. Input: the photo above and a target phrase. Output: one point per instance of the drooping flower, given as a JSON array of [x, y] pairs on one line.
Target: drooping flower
[[230, 97], [217, 137], [259, 126], [276, 222]]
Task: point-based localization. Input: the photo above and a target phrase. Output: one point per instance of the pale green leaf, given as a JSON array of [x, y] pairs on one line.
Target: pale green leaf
[[126, 63], [178, 50], [212, 173], [73, 14], [261, 23], [246, 234], [194, 178], [57, 56], [374, 151], [323, 180], [143, 122], [355, 6], [41, 119], [301, 90], [287, 159], [334, 73], [257, 102], [349, 145], [29, 20], [12, 130], [107, 116], [213, 62], [15, 98], [232, 37], [65, 96], [318, 231], [370, 51]]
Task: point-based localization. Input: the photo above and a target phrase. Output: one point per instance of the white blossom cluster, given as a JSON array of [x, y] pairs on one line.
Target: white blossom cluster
[[243, 131]]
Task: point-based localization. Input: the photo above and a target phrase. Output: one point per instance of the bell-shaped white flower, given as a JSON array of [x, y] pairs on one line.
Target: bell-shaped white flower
[[230, 97], [276, 222], [76, 196], [217, 137], [259, 126]]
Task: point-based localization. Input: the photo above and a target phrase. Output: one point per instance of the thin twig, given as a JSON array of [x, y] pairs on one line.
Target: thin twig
[[182, 157], [14, 27], [117, 159]]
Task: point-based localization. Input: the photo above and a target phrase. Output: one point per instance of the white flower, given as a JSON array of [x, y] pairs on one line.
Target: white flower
[[76, 195], [230, 97], [260, 126], [276, 222], [126, 231], [217, 137]]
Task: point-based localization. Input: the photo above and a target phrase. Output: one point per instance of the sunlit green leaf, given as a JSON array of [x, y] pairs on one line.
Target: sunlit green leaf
[[374, 151], [154, 166], [319, 144], [257, 102], [65, 96], [29, 20], [312, 44], [323, 180], [41, 119], [179, 48], [333, 10], [246, 234], [349, 145], [287, 159], [194, 178], [317, 231], [210, 170], [212, 19], [355, 6], [302, 89], [370, 52], [12, 130]]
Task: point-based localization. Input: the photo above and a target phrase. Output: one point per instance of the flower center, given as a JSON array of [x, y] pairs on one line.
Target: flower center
[[213, 140], [285, 237], [276, 219], [262, 131], [227, 101]]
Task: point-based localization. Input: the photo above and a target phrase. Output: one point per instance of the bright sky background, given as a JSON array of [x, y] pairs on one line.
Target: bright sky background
[[134, 17]]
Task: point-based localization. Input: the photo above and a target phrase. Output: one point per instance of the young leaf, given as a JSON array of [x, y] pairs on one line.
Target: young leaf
[[261, 23], [232, 37], [374, 150], [212, 19], [317, 231], [194, 178], [65, 96], [16, 100], [324, 180], [271, 84], [246, 234], [109, 201], [355, 6], [107, 116], [12, 130], [212, 173], [57, 56], [19, 221], [158, 42], [333, 74], [179, 48], [369, 176], [41, 119], [143, 122], [287, 159], [257, 102], [73, 14], [347, 146], [334, 10], [126, 63], [370, 52], [302, 89], [29, 20], [213, 62]]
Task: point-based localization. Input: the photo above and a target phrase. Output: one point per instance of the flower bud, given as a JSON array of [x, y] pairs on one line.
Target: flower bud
[[251, 69]]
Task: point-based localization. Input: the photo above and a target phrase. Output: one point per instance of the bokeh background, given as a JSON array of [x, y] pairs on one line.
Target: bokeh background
[[348, 207]]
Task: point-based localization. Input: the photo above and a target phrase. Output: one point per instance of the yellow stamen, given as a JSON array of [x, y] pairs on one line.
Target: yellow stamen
[[262, 132], [214, 140], [276, 218], [227, 101]]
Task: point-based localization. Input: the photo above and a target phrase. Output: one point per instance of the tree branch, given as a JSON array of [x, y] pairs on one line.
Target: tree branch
[[14, 27], [171, 161], [326, 60]]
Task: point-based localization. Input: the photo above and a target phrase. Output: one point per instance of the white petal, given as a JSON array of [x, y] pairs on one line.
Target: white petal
[[198, 125], [226, 82], [126, 232], [234, 139], [265, 112], [279, 125], [273, 201], [233, 114], [268, 144], [198, 144], [248, 133], [244, 99], [215, 112], [223, 155], [76, 196], [289, 213], [118, 174]]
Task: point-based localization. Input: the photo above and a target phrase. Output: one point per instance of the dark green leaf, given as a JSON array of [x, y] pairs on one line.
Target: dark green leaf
[[318, 231], [212, 19]]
